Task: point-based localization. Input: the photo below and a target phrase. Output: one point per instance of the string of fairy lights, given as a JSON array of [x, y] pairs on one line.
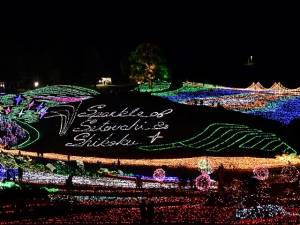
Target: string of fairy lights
[[240, 135], [30, 140], [261, 172], [276, 103], [184, 94], [29, 108], [261, 211], [33, 105], [241, 163], [216, 137], [62, 90], [219, 136], [56, 179], [157, 86]]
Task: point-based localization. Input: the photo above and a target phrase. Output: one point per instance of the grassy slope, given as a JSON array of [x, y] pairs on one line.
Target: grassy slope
[[184, 122]]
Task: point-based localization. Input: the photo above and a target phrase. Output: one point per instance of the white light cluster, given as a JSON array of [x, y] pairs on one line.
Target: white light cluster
[[277, 86], [88, 128], [45, 178], [260, 211], [67, 114]]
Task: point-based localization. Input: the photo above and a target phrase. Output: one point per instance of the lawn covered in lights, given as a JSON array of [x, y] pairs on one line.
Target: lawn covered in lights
[[215, 133], [275, 103], [217, 137], [157, 86], [63, 101]]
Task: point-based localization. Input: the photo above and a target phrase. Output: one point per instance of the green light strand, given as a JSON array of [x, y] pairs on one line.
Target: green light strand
[[161, 86], [29, 140], [88, 90], [230, 139], [61, 90], [186, 142], [267, 136], [233, 139], [210, 136]]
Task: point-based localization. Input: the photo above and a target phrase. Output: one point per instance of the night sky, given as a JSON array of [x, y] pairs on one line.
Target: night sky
[[205, 42]]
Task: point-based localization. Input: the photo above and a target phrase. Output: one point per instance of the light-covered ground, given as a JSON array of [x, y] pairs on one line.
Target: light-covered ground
[[241, 163]]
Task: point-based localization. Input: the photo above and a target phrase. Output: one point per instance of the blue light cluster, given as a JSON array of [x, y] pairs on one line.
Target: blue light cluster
[[285, 110], [279, 105], [186, 93], [3, 172]]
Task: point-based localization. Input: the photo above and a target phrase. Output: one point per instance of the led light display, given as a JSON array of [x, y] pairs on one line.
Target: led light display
[[219, 136], [86, 134], [62, 90], [243, 163], [206, 165], [30, 140], [30, 106], [156, 86], [260, 211], [159, 174], [275, 103], [34, 106], [261, 172], [202, 182], [47, 178], [290, 173]]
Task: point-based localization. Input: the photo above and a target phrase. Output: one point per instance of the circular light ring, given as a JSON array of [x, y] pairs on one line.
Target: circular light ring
[[159, 174], [202, 182], [261, 172], [290, 173]]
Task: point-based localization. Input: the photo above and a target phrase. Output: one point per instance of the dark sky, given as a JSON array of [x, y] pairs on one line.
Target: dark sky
[[203, 40]]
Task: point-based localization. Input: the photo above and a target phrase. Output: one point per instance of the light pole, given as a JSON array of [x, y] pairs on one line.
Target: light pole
[[36, 84]]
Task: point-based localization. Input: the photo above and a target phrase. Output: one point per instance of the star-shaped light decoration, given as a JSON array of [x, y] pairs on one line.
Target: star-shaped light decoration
[[43, 112], [21, 113], [18, 99], [7, 111], [155, 137], [30, 104], [38, 108]]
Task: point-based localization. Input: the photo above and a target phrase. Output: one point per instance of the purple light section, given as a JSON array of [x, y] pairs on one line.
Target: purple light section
[[18, 99], [30, 105], [43, 112], [210, 93], [38, 108]]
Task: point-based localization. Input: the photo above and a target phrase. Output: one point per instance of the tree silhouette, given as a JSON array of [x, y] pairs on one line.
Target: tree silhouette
[[147, 64]]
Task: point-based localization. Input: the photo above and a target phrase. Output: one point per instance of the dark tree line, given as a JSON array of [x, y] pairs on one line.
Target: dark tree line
[[51, 62]]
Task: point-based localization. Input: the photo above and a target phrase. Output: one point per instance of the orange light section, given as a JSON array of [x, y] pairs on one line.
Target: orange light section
[[241, 163]]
